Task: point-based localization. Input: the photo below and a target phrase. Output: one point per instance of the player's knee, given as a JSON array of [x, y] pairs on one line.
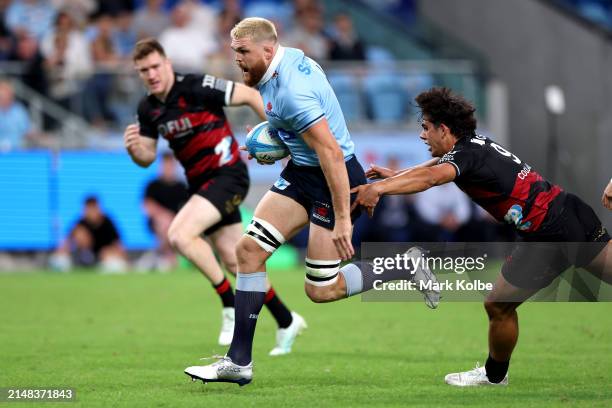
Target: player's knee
[[320, 294], [259, 242], [177, 239], [228, 257], [247, 251], [498, 310]]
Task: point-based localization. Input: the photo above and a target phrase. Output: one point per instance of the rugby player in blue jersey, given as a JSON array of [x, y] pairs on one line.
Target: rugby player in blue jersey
[[314, 188]]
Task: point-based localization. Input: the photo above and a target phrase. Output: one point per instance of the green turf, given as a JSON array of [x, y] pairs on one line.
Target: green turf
[[125, 340]]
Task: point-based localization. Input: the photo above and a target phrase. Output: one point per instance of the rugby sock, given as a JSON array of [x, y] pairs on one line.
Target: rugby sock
[[496, 370], [281, 314], [224, 290], [250, 294], [359, 277]]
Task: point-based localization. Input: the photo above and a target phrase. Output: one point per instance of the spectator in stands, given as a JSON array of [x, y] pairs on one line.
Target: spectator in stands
[[68, 61], [94, 240], [124, 35], [163, 198], [345, 44], [150, 20], [442, 211], [32, 16], [80, 10], [307, 34], [186, 45], [15, 126], [6, 36], [27, 52], [221, 62], [98, 86]]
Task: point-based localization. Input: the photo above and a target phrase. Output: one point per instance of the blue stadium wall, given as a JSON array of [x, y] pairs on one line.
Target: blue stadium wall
[[41, 192]]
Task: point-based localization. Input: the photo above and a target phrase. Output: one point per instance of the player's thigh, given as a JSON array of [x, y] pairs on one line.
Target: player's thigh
[[197, 215], [601, 265], [320, 243], [277, 218], [505, 296], [286, 215]]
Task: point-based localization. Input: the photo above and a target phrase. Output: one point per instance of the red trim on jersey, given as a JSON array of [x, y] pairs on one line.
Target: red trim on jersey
[[540, 207], [521, 186]]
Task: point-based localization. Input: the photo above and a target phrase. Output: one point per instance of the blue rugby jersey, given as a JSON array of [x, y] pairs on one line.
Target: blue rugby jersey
[[296, 95]]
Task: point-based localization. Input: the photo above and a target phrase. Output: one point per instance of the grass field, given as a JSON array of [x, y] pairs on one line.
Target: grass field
[[125, 340]]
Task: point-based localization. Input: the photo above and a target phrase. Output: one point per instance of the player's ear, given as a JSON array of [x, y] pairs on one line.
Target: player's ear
[[268, 51], [445, 129]]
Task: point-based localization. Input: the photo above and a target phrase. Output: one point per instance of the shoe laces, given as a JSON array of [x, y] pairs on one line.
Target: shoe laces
[[476, 371], [220, 359]]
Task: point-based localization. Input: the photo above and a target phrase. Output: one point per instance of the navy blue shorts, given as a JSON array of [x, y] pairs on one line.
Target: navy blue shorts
[[307, 186]]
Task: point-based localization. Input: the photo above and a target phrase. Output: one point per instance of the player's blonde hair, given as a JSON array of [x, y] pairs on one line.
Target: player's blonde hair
[[256, 28]]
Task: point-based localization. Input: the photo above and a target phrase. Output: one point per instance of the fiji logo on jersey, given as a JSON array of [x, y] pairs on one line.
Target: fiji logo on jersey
[[515, 216], [176, 128]]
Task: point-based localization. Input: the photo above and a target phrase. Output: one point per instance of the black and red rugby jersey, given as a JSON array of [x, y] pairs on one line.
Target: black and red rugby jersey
[[194, 123], [509, 189]]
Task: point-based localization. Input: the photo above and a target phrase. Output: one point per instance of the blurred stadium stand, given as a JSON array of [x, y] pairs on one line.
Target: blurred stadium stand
[[408, 48]]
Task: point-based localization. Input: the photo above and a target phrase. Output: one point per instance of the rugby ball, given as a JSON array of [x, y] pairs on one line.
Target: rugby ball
[[264, 144]]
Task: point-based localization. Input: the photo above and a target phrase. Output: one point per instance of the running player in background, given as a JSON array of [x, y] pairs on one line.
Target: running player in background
[[511, 191], [313, 190], [187, 110]]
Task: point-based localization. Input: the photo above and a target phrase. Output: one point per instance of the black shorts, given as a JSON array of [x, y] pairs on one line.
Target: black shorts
[[576, 237], [307, 186], [226, 190]]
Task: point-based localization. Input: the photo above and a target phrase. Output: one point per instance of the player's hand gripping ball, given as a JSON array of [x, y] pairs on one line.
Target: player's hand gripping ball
[[264, 144]]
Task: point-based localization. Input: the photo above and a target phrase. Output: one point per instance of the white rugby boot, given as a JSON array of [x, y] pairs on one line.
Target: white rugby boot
[[223, 370], [285, 337], [227, 326], [472, 378], [423, 275]]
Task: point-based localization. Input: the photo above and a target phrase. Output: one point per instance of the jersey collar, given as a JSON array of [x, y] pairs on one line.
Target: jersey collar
[[273, 65]]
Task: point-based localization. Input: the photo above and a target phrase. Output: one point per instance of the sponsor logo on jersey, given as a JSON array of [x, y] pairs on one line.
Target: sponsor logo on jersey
[[281, 183], [321, 211], [176, 128], [524, 171]]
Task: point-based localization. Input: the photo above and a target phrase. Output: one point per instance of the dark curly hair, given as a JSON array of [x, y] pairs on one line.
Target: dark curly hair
[[442, 106]]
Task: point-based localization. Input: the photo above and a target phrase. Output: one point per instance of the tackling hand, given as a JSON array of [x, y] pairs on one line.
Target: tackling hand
[[378, 172], [367, 196]]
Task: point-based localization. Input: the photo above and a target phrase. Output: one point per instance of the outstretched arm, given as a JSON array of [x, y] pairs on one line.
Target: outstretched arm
[[410, 181], [379, 172], [244, 95]]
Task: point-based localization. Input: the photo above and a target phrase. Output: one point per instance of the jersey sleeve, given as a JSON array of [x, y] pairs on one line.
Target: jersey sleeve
[[147, 127], [210, 90], [302, 109], [462, 160]]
